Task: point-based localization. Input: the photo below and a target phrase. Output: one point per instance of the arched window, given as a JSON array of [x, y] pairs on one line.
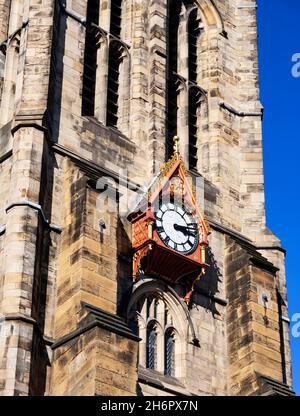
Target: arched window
[[183, 115], [118, 87], [165, 337], [170, 353], [90, 58], [151, 346], [105, 89], [115, 54], [160, 328], [174, 8]]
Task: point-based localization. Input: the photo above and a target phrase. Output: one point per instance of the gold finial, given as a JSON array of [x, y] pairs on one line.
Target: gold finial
[[165, 167], [176, 146]]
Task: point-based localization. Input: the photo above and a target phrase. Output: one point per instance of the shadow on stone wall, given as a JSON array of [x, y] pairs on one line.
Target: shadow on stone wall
[[125, 283], [42, 279], [53, 115], [208, 287]]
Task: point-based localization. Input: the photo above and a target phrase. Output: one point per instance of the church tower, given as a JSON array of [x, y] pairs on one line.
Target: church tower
[[92, 93]]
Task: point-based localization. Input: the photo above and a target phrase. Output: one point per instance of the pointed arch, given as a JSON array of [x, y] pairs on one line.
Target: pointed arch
[[164, 341], [192, 24], [210, 14], [149, 286], [171, 339], [118, 93], [90, 58]]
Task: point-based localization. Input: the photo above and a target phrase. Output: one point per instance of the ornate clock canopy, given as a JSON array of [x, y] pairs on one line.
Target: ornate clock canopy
[[169, 232]]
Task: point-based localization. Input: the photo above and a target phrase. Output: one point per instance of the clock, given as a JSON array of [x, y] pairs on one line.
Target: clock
[[169, 232], [177, 228]]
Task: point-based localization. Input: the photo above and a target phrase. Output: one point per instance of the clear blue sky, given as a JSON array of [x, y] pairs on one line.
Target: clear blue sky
[[279, 40]]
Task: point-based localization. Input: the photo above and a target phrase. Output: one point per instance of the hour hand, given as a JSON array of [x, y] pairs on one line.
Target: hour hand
[[190, 230]]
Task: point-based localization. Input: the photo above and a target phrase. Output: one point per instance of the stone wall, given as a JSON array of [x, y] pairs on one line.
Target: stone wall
[[252, 319], [61, 250], [98, 362]]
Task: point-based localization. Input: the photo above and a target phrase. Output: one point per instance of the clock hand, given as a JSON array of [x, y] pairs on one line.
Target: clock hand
[[185, 229], [192, 226]]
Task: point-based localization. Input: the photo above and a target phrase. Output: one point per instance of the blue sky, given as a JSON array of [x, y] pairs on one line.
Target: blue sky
[[279, 40]]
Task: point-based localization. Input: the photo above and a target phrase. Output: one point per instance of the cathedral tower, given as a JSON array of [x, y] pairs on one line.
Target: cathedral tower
[[92, 93]]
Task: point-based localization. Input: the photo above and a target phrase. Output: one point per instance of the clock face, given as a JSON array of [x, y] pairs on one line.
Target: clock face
[[177, 228]]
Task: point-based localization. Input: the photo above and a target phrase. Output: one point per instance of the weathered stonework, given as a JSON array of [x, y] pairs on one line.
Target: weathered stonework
[[66, 288]]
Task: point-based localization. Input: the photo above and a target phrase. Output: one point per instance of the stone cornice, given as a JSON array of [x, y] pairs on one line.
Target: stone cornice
[[160, 382], [225, 230], [241, 113], [94, 170], [37, 207], [19, 317], [97, 317], [255, 257], [272, 248], [271, 387]]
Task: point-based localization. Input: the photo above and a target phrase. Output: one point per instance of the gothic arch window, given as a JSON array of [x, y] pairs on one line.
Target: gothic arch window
[[170, 352], [174, 8], [118, 88], [160, 350], [151, 346], [90, 58], [162, 321], [105, 89], [183, 115]]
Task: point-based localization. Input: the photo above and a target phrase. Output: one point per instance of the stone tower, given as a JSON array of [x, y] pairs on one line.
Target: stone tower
[[91, 93]]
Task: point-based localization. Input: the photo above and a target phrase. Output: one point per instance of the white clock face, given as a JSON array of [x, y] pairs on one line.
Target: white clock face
[[177, 228]]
